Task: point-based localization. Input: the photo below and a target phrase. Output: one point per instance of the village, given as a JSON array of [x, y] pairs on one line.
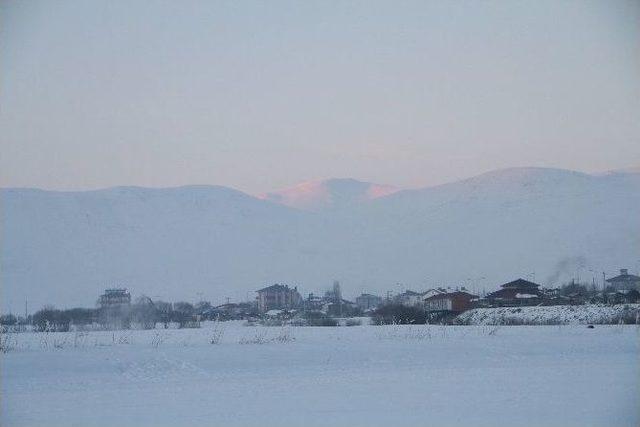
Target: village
[[280, 304]]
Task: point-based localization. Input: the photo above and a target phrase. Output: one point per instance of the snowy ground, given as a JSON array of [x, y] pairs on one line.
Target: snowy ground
[[361, 375], [552, 315]]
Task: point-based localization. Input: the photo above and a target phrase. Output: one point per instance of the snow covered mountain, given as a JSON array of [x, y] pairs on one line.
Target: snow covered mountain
[[64, 248], [331, 194]]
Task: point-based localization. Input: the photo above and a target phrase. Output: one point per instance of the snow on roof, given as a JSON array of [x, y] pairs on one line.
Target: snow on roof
[[273, 312], [451, 295], [409, 293], [526, 296], [276, 287], [520, 283], [624, 278]]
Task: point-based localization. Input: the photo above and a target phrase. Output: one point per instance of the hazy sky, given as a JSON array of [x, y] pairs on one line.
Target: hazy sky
[[262, 95]]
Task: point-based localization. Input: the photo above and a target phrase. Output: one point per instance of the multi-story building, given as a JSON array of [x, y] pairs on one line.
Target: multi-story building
[[114, 297], [278, 297], [368, 302]]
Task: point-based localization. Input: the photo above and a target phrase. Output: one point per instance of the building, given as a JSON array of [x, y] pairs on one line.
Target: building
[[625, 281], [518, 292], [114, 310], [114, 298], [278, 297], [368, 302], [230, 311], [409, 299], [433, 292], [622, 296], [454, 302], [314, 303]]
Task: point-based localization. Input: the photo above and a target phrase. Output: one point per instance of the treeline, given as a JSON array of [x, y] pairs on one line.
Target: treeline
[[588, 293], [144, 314]]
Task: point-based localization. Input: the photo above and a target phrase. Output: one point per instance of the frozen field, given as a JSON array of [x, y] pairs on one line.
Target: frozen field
[[344, 376]]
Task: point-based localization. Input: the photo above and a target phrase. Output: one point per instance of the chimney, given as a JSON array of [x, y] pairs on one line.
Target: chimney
[[623, 271]]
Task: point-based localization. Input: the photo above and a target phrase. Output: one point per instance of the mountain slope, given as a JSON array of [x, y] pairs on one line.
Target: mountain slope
[[66, 247], [554, 223], [331, 194]]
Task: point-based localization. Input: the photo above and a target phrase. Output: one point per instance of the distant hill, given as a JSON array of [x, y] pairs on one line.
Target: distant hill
[[64, 248], [333, 194]]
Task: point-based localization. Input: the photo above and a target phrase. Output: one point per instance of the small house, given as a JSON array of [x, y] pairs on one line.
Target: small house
[[516, 293], [454, 302], [625, 281]]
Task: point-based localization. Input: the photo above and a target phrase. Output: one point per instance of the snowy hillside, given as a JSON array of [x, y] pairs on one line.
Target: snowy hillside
[[329, 194], [551, 315], [183, 243]]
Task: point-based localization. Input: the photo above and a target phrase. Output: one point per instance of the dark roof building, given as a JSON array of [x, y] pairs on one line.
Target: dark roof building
[[517, 292], [625, 281]]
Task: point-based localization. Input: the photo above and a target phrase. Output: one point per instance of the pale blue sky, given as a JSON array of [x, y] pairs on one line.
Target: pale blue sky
[[262, 95]]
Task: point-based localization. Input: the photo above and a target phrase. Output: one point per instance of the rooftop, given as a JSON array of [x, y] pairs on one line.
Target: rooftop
[[520, 283], [116, 291], [275, 288], [451, 295], [624, 277]]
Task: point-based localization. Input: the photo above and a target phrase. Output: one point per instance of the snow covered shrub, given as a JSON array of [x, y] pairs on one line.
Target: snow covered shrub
[[629, 315], [120, 338], [398, 314], [60, 343], [259, 337], [8, 341], [492, 330], [418, 333], [158, 339], [50, 319], [404, 332], [285, 335], [217, 332], [79, 339]]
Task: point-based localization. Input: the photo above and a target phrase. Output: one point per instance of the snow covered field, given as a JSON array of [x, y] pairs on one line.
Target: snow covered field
[[361, 375]]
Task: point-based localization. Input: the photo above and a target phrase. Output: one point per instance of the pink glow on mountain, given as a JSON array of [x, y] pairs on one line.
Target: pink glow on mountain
[[376, 190], [328, 194]]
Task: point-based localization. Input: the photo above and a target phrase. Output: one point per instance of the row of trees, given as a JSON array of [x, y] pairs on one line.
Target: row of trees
[[144, 313], [584, 292]]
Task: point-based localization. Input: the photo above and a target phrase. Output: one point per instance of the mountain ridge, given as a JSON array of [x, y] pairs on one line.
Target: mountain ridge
[[64, 248]]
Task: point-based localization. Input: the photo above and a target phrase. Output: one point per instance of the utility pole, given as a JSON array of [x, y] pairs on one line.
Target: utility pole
[[25, 311]]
